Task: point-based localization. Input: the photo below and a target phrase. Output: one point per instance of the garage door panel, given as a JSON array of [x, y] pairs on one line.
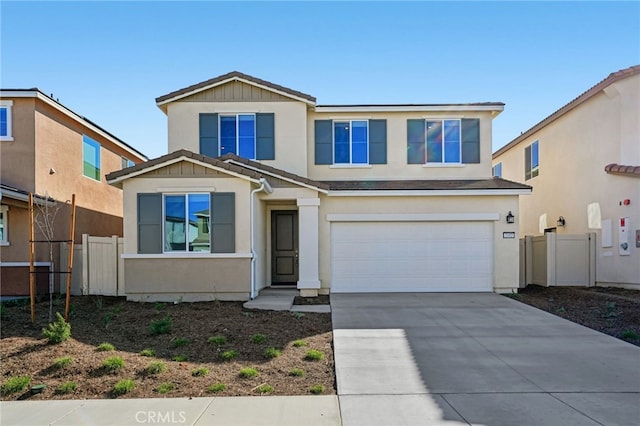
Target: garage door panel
[[411, 256]]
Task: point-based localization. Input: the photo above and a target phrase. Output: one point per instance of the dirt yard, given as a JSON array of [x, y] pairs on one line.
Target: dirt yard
[[201, 355], [613, 311]]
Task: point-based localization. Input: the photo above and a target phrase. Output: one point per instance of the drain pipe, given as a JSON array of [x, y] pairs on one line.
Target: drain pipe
[[264, 186]]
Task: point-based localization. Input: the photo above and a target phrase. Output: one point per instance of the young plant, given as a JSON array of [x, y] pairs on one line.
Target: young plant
[[180, 358], [317, 389], [200, 372], [248, 372], [155, 367], [271, 353], [314, 355], [59, 331], [148, 352], [228, 355], [216, 387], [165, 387], [113, 363], [180, 342], [159, 306], [264, 389], [63, 362], [297, 372], [258, 338], [161, 326], [217, 340], [123, 386], [630, 335], [105, 347], [299, 343], [66, 387], [15, 384]]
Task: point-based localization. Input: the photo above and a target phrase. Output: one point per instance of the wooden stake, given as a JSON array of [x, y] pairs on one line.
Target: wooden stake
[[32, 275], [72, 228]]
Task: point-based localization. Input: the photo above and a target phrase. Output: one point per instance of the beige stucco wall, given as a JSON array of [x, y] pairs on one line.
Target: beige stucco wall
[[397, 167], [290, 128], [17, 158], [506, 251], [573, 153]]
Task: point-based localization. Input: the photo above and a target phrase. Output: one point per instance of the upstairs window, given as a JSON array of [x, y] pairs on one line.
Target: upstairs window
[[4, 227], [186, 223], [127, 163], [6, 126], [531, 161], [497, 170], [351, 142], [443, 141], [238, 135], [90, 158], [249, 136]]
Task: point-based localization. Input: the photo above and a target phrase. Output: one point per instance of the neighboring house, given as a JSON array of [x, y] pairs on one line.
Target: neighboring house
[[586, 154], [50, 151], [333, 198]]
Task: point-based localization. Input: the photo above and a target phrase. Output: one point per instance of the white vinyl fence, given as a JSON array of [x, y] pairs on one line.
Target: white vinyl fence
[[558, 260], [97, 267]]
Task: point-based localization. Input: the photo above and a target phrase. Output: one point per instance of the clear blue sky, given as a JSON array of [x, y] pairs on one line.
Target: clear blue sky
[[109, 61]]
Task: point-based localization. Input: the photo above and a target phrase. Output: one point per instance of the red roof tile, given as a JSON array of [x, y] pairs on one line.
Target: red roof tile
[[619, 169]]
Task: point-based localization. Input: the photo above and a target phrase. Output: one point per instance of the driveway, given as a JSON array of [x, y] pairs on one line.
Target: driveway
[[476, 358]]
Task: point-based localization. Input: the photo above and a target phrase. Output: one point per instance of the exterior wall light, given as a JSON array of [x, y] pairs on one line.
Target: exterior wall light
[[561, 221], [510, 217]]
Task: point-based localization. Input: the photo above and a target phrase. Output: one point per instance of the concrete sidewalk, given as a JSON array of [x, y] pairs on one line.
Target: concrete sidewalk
[[223, 411], [481, 359]]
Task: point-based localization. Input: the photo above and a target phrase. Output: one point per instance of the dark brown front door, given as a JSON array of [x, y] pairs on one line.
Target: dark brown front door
[[284, 247]]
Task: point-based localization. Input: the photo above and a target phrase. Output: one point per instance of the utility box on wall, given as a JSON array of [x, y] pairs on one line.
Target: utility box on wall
[[624, 246]]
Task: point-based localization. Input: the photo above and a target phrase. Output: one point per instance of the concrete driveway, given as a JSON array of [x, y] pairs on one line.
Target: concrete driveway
[[479, 358]]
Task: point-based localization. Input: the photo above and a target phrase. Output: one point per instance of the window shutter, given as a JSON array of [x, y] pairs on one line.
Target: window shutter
[[149, 223], [209, 135], [527, 163], [415, 141], [470, 140], [223, 222], [323, 142], [377, 141], [265, 142]]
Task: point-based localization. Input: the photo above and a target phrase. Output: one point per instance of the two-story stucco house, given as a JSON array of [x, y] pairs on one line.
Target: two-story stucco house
[[51, 151], [583, 161], [263, 187]]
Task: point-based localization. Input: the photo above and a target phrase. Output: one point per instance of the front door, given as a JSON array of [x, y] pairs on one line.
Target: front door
[[284, 247]]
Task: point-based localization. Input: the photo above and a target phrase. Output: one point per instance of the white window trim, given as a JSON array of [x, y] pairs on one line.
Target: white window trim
[[443, 163], [255, 134], [9, 106], [333, 135], [5, 226], [531, 168], [186, 251]]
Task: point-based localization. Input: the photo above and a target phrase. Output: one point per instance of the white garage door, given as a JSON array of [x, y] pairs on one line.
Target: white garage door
[[411, 256]]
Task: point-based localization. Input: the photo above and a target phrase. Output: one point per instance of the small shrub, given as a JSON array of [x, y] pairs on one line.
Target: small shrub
[[272, 353], [216, 387], [15, 384], [124, 386], [113, 363], [297, 315], [248, 372], [118, 308], [59, 331], [180, 342], [180, 358], [200, 372], [258, 338], [229, 355], [63, 362], [161, 326], [264, 389], [317, 389], [314, 355], [165, 387], [66, 387], [217, 340], [299, 343], [104, 347], [630, 335], [148, 352], [297, 372], [156, 367]]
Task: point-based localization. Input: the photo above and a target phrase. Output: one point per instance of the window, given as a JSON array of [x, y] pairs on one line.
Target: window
[[497, 170], [6, 126], [351, 142], [238, 135], [90, 158], [434, 141], [4, 225], [127, 163], [186, 223], [531, 161]]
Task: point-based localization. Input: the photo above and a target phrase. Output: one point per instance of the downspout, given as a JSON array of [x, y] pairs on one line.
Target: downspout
[[264, 186]]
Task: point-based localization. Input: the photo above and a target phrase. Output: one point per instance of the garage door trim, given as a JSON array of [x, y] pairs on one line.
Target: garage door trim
[[417, 217]]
